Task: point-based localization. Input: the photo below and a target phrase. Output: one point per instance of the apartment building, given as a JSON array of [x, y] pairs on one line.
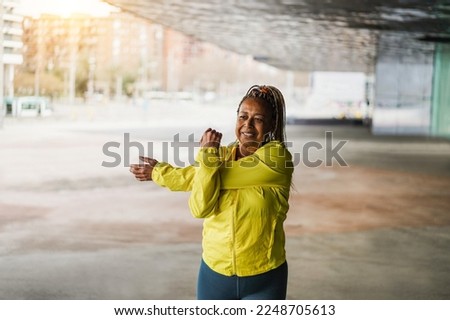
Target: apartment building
[[12, 44]]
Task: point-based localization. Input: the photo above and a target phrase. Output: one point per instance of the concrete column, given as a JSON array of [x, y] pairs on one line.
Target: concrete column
[[441, 93], [403, 86]]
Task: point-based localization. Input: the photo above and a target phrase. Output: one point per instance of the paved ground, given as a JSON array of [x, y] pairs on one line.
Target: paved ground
[[71, 228]]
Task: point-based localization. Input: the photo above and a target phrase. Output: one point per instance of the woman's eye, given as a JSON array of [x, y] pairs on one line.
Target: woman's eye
[[259, 120]]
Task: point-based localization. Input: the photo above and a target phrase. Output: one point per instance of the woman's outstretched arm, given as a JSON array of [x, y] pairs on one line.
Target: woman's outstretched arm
[[164, 174]]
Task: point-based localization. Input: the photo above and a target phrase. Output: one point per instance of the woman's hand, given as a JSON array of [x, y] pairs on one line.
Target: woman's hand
[[211, 138], [143, 172]]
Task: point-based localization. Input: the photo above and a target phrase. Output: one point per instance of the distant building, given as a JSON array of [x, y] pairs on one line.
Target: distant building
[[12, 44], [104, 52], [122, 55]]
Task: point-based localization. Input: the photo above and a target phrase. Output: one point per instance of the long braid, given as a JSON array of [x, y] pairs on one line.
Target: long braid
[[273, 97]]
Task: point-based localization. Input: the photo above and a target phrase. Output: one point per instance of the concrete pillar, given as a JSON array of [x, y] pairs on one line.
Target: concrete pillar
[[441, 92], [403, 86]]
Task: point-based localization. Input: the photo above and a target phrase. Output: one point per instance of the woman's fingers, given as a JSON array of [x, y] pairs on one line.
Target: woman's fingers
[[211, 138], [212, 133], [141, 177], [136, 168], [142, 172], [148, 160]]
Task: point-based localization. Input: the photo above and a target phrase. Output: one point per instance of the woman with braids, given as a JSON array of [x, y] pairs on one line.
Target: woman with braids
[[241, 191]]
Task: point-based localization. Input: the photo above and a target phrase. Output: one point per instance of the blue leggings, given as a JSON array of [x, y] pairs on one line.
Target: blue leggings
[[271, 285]]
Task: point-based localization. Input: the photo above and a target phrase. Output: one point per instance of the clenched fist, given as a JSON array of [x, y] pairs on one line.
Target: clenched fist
[[211, 138]]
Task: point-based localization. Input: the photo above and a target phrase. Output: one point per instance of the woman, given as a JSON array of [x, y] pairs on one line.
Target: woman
[[241, 191]]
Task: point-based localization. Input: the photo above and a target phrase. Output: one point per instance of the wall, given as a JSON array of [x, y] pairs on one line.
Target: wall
[[403, 86], [441, 91]]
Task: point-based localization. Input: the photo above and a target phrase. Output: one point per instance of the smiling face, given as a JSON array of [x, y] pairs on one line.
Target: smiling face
[[254, 121]]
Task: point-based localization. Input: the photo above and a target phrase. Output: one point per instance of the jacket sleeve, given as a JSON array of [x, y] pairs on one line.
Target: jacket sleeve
[[175, 179], [270, 166], [206, 183]]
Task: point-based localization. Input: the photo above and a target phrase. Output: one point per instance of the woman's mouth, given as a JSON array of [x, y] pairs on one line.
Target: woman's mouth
[[248, 134]]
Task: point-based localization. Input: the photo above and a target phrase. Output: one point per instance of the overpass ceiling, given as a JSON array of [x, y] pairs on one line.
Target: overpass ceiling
[[304, 35]]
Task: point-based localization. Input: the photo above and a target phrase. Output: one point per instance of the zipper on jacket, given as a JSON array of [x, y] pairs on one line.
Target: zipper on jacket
[[233, 235]]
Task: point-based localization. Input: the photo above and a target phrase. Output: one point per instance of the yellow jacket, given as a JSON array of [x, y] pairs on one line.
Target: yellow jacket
[[243, 203]]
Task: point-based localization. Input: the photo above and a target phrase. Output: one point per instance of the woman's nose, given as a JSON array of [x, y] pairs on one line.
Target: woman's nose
[[249, 122]]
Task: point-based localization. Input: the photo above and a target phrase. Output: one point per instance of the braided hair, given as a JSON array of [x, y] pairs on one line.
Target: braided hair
[[273, 99]]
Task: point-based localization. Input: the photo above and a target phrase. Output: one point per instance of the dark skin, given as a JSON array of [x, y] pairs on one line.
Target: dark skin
[[254, 121], [143, 172]]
